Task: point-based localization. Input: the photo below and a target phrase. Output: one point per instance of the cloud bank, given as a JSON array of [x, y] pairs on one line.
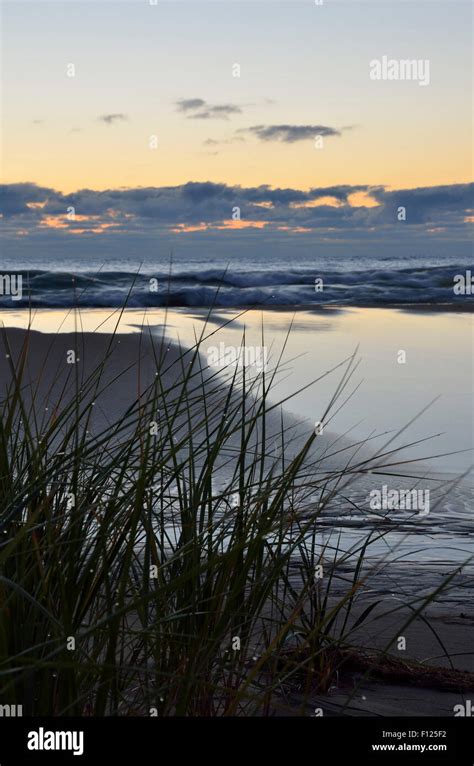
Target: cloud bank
[[215, 216]]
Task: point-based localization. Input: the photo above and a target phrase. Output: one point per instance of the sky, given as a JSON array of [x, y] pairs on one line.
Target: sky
[[183, 118]]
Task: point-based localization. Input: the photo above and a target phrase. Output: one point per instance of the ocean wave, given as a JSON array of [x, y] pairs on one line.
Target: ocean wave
[[237, 288]]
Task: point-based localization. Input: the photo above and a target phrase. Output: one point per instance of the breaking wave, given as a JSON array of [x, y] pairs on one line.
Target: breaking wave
[[238, 288]]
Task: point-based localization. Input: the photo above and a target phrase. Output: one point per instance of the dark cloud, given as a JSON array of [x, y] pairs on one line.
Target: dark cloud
[[290, 133], [110, 119], [189, 104], [140, 210], [15, 198], [425, 204], [198, 109]]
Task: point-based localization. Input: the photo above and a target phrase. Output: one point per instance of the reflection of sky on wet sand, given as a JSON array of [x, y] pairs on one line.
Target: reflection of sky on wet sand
[[438, 362]]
